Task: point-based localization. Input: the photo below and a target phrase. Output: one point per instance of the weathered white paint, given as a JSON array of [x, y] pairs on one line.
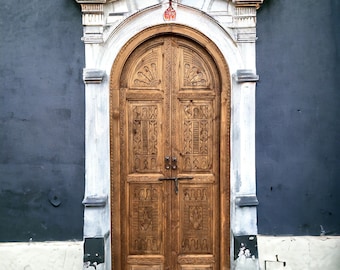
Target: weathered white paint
[[302, 252], [298, 253], [41, 256], [107, 28]]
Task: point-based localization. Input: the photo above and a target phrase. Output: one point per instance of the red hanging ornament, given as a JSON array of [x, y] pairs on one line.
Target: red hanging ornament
[[169, 13]]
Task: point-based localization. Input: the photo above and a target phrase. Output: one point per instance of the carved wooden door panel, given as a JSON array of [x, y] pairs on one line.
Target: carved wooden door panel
[[169, 125]]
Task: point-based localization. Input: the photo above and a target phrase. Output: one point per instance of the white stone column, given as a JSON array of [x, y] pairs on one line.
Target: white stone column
[[243, 189]]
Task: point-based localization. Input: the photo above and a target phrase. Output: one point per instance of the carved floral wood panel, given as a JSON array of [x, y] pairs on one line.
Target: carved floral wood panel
[[196, 219], [197, 138], [144, 129], [146, 212]]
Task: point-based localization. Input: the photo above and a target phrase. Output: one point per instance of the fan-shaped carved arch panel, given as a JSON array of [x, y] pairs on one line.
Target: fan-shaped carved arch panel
[[145, 73], [195, 71]]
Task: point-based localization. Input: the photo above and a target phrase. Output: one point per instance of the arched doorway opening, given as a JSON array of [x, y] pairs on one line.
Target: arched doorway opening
[[170, 157]]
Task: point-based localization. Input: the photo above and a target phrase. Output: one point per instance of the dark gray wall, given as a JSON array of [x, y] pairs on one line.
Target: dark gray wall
[[298, 117], [41, 121]]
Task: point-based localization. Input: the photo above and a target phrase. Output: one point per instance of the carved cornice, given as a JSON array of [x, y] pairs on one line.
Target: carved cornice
[[238, 17], [93, 76], [248, 3], [245, 75], [95, 201], [244, 21], [248, 200], [93, 20], [93, 14], [91, 1]]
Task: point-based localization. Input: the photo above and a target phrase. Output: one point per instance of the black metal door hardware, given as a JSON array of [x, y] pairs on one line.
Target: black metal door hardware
[[175, 179]]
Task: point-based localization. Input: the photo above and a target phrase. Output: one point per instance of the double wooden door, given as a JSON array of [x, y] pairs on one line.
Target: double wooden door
[[169, 214]]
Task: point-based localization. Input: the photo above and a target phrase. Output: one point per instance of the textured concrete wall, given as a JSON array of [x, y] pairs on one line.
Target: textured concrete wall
[[41, 121], [41, 256], [304, 252], [298, 123]]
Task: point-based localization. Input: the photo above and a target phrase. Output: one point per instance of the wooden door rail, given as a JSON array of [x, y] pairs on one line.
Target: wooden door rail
[[176, 180]]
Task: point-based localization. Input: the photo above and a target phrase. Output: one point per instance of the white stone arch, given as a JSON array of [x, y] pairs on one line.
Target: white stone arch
[[186, 16], [99, 58]]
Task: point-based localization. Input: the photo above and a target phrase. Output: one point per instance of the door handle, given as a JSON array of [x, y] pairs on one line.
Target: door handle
[[175, 179]]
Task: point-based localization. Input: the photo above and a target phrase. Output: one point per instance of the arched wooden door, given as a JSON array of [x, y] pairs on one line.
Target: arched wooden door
[[167, 193]]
